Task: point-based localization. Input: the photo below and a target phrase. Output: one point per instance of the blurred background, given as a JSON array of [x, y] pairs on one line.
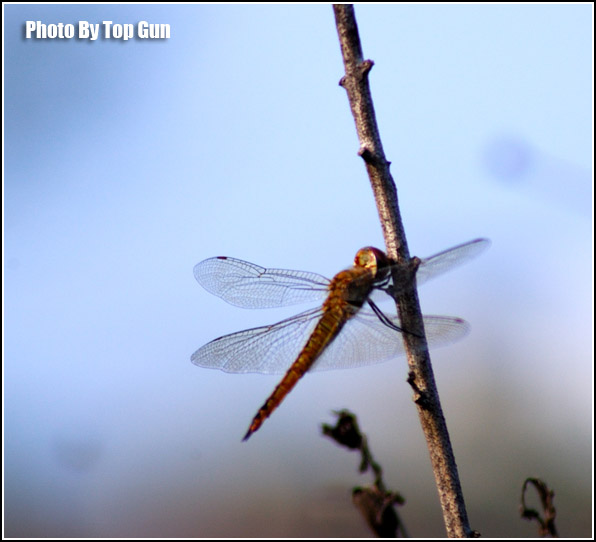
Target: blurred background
[[126, 163]]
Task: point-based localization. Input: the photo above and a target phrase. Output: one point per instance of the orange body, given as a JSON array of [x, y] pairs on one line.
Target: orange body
[[347, 292]]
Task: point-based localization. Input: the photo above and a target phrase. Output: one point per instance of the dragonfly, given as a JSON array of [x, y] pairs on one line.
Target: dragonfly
[[346, 329]]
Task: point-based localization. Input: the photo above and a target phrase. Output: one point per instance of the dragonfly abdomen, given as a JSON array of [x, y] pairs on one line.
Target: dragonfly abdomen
[[325, 331]]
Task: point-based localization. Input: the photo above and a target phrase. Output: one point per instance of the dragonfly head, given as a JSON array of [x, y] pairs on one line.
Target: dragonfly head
[[373, 259]]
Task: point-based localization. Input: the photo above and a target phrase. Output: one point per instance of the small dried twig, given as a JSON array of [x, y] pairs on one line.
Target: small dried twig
[[421, 376], [375, 502], [547, 525]]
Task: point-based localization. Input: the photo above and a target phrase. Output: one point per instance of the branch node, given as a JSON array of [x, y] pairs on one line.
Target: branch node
[[365, 68], [421, 398], [367, 155]]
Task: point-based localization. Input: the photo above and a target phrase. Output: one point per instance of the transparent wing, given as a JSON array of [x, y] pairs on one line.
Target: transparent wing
[[448, 259], [251, 286], [363, 340], [430, 267], [267, 349]]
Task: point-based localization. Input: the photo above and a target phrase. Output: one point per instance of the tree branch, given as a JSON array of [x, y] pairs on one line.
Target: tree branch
[[421, 376]]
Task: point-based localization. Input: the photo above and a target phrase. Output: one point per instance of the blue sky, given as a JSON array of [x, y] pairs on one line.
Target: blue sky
[[126, 163]]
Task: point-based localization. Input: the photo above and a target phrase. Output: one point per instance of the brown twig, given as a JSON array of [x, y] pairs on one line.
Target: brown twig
[[421, 376], [547, 525], [376, 503]]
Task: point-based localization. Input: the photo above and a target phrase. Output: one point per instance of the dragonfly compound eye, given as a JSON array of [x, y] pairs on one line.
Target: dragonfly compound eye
[[370, 258]]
